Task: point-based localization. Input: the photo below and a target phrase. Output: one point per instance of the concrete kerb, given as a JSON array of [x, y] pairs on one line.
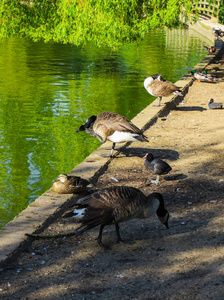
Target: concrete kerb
[[50, 206]]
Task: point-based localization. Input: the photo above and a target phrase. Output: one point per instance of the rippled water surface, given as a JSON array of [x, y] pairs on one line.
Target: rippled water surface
[[48, 90]]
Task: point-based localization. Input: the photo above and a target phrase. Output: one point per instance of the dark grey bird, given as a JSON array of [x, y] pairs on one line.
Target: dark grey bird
[[114, 205], [214, 105], [113, 127], [156, 165]]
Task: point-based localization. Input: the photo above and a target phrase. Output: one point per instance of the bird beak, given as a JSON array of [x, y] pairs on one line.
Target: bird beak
[[81, 128], [55, 180], [145, 155]]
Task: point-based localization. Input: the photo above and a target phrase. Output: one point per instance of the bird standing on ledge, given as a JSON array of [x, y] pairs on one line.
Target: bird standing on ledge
[[158, 87], [113, 127]]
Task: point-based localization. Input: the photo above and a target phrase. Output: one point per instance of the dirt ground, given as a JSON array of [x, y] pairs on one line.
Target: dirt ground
[[185, 261]]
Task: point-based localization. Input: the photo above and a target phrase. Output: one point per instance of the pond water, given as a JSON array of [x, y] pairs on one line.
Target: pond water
[[48, 90]]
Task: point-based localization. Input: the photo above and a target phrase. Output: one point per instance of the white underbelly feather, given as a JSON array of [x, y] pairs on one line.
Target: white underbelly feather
[[120, 137]]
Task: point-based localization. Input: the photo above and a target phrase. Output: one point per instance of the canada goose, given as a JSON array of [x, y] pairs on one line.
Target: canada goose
[[210, 50], [203, 76], [113, 127], [156, 166], [214, 105], [65, 184], [158, 87], [114, 205]]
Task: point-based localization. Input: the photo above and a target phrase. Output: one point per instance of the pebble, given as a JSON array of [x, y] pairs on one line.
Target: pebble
[[119, 276]]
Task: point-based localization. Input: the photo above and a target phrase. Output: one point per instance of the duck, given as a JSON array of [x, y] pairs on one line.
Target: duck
[[158, 87], [65, 184], [217, 32], [113, 205], [157, 166], [113, 127], [211, 50], [203, 76], [214, 105]]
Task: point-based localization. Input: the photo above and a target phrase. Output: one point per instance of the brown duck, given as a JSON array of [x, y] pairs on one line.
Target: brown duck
[[65, 184], [158, 87], [114, 205], [113, 127]]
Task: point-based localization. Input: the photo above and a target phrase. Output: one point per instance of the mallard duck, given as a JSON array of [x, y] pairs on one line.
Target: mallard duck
[[158, 87], [214, 105], [210, 50], [156, 166], [114, 205], [113, 127], [65, 184], [217, 32], [203, 76]]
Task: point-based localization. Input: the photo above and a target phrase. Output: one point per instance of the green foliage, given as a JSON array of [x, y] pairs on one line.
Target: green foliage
[[105, 22], [221, 12]]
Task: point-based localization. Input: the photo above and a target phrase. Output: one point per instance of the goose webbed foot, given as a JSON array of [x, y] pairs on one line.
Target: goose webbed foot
[[106, 155], [99, 241], [111, 152], [160, 99]]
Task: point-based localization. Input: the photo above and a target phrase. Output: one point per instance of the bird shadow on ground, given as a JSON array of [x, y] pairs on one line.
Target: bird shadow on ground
[[158, 153], [175, 177], [190, 108]]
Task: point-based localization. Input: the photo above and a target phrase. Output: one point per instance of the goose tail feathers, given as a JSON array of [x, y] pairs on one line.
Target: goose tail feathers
[[178, 93], [142, 138]]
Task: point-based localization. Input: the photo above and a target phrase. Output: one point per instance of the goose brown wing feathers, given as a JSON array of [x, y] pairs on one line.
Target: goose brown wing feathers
[[115, 204], [114, 197], [164, 88], [113, 122]]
